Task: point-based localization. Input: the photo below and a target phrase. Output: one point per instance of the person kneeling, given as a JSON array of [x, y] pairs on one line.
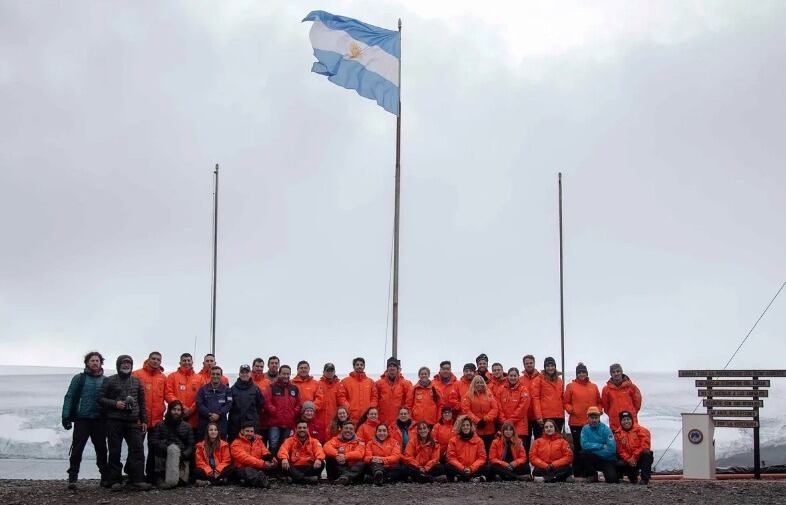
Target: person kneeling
[[344, 456], [633, 449], [598, 449], [301, 455], [466, 453], [173, 445], [507, 458], [251, 457], [551, 456], [382, 457], [421, 459], [213, 460]]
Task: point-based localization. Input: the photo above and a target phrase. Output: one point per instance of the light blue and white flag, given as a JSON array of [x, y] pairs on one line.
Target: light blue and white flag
[[357, 56]]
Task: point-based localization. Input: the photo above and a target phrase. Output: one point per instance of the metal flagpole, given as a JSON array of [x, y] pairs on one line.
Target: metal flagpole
[[396, 216], [561, 300], [215, 265]]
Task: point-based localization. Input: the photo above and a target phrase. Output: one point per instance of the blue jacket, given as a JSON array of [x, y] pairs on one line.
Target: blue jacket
[[84, 404], [214, 401], [599, 441]]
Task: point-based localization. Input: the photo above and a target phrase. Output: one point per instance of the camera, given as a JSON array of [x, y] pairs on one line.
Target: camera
[[130, 403]]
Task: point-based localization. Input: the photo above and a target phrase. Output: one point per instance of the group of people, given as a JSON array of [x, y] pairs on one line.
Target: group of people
[[487, 424]]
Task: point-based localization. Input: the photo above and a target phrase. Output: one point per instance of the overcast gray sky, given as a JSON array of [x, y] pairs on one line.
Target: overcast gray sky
[[667, 119]]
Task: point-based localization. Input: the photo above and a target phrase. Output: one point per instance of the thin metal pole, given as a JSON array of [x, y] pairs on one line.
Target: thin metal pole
[[561, 299], [215, 265], [397, 212]]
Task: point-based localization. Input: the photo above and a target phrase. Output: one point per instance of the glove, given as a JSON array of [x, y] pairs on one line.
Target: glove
[[67, 424], [482, 423]]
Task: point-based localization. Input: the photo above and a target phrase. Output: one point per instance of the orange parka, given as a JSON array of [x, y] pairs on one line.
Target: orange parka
[[307, 388], [631, 443], [442, 433], [221, 456], [357, 393], [391, 396], [547, 396], [497, 449], [424, 403], [479, 407], [528, 380], [580, 396], [463, 388], [183, 385], [422, 454], [466, 453], [448, 392], [154, 383], [354, 450], [494, 384], [204, 375], [616, 399], [389, 451], [514, 401], [301, 453], [550, 450], [326, 399], [248, 454], [367, 430]]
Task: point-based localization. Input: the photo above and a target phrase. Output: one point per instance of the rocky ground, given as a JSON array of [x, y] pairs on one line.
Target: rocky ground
[[19, 492]]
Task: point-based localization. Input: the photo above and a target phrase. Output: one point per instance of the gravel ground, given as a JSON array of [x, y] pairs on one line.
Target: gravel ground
[[19, 492]]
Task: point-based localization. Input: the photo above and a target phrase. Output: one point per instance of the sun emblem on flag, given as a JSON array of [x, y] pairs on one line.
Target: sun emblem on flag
[[354, 51]]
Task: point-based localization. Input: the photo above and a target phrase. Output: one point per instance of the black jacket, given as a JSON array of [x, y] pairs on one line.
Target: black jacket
[[169, 432], [247, 401], [121, 387]]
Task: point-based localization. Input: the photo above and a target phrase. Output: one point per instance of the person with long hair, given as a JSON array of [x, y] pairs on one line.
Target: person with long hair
[[424, 400], [551, 456], [466, 453], [548, 396], [213, 459], [507, 458], [367, 426], [382, 457], [341, 416], [421, 459], [173, 445], [443, 430], [482, 409], [514, 400]]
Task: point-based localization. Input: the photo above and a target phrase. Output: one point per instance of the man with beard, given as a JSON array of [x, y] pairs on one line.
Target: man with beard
[[81, 410], [302, 456], [153, 380], [123, 399], [251, 458], [620, 394], [173, 445], [247, 402], [528, 376], [482, 363], [326, 398], [284, 409]]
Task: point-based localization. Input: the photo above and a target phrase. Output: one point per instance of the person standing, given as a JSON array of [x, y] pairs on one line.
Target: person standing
[[172, 442], [183, 384], [580, 395], [481, 408], [123, 399], [82, 412], [620, 394], [326, 397], [528, 376], [497, 378], [357, 392], [424, 400], [153, 380], [301, 456], [284, 409], [468, 373], [208, 362], [633, 449], [513, 400], [214, 401], [598, 449], [482, 364], [446, 384], [393, 391], [247, 403], [306, 384], [548, 396]]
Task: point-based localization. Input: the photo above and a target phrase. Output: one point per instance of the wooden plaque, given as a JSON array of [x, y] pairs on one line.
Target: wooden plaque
[[721, 393]]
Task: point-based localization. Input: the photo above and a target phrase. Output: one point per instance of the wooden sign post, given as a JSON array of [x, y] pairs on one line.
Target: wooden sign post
[[716, 393]]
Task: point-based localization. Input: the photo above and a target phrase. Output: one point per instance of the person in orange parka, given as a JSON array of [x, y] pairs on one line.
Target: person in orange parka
[[208, 363], [507, 458], [482, 409], [302, 456], [251, 457], [421, 459], [513, 399], [551, 456], [344, 455], [528, 376], [183, 384], [620, 394], [547, 395], [580, 395], [153, 380], [258, 375], [326, 396], [468, 373], [466, 458], [633, 449], [443, 430], [306, 384], [367, 426], [213, 458], [382, 457], [424, 400], [497, 378], [393, 390], [447, 385], [357, 392]]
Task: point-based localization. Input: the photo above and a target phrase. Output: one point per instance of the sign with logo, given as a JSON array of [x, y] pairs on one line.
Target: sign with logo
[[695, 436]]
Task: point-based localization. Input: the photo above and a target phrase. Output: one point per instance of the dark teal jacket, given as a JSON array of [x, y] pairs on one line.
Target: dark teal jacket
[[87, 405]]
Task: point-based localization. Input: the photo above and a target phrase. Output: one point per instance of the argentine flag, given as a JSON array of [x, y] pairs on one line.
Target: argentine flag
[[357, 56]]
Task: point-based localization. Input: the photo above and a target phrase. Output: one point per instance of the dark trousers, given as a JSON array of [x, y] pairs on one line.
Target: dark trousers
[[487, 439], [578, 462], [644, 465], [219, 480], [505, 473], [593, 464], [251, 477], [95, 430], [558, 474], [452, 472], [391, 473], [416, 475], [299, 473], [131, 432], [534, 432], [354, 472]]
